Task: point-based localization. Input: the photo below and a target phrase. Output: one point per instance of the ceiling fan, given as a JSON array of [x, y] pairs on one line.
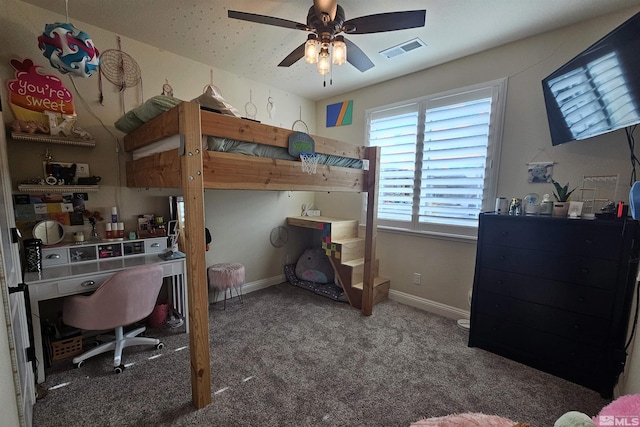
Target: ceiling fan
[[325, 22]]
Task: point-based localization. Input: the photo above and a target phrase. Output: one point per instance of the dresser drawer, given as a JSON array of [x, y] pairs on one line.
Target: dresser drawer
[[157, 245], [80, 285], [54, 256], [596, 272], [602, 240], [566, 296], [550, 320], [535, 345]]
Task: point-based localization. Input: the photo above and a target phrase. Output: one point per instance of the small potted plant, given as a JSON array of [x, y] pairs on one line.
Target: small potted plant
[[562, 194]]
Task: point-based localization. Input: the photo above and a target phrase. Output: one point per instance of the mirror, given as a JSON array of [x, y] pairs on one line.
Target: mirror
[[49, 231]]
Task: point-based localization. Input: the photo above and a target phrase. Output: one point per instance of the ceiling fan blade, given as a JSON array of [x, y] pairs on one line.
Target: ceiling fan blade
[[356, 57], [293, 57], [382, 22], [268, 20]]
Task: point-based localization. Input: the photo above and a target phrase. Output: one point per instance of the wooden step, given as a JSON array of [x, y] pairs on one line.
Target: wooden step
[[332, 228], [381, 287], [349, 249]]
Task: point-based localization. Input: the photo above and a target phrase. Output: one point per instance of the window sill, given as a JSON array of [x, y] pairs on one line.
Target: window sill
[[429, 234]]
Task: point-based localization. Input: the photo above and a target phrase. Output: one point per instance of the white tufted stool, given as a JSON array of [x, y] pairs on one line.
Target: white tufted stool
[[226, 276]]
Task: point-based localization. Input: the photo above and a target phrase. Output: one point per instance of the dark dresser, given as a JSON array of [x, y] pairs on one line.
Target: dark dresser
[[555, 294]]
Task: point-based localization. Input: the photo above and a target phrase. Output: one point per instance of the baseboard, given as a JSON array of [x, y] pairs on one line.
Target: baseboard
[[247, 288], [428, 305]]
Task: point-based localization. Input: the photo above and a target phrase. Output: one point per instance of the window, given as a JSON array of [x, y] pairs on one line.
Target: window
[[439, 158]]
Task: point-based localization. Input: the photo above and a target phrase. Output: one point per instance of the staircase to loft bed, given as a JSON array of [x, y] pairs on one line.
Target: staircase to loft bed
[[346, 251]]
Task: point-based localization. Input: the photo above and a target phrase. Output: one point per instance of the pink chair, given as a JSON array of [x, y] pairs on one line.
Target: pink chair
[[125, 298]]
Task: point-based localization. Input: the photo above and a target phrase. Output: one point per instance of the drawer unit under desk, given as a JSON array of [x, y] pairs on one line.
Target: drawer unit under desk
[[81, 284]]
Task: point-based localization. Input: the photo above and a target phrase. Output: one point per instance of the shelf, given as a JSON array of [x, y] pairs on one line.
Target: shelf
[[50, 139], [29, 188]]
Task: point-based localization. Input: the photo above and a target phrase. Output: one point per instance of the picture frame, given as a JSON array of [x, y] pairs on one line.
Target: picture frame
[[575, 209]]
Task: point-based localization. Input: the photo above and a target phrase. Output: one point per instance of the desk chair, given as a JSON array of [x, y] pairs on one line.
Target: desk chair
[[124, 298]]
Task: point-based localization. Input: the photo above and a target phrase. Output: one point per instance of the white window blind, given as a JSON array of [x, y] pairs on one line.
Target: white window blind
[[437, 155], [395, 130]]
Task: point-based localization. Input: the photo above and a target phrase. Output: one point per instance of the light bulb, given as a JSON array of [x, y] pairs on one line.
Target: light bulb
[[324, 65], [311, 50], [339, 52]]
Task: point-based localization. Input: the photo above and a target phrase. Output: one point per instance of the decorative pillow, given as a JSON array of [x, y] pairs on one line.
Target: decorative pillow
[[314, 266]]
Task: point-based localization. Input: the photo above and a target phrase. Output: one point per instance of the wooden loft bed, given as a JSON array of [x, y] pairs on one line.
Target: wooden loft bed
[[193, 169]]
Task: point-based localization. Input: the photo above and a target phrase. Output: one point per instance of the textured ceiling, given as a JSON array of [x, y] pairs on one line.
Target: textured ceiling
[[201, 30]]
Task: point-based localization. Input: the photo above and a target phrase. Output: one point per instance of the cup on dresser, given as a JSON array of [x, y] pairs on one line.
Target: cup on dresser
[[78, 237], [502, 205]]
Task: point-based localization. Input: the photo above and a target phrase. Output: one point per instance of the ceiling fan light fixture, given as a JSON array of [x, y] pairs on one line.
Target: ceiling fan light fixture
[[339, 51], [324, 64], [311, 49]]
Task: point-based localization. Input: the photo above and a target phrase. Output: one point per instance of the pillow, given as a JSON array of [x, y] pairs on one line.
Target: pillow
[[155, 106], [213, 100], [314, 266], [128, 122], [151, 108]]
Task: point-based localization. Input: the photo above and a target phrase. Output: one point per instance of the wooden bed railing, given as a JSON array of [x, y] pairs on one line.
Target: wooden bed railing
[[193, 169]]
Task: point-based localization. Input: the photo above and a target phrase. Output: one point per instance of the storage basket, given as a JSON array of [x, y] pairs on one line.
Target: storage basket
[[65, 348]]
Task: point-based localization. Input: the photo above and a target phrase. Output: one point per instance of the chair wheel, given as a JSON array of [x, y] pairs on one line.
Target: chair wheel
[[79, 364], [160, 346], [118, 369]]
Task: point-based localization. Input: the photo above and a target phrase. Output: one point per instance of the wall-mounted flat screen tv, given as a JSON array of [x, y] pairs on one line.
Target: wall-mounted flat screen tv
[[598, 91]]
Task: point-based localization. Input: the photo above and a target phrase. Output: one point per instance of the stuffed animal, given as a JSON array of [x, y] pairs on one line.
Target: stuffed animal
[[314, 266], [574, 419]]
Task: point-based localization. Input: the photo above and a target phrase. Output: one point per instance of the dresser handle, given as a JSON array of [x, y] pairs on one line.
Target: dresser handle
[[584, 270], [53, 256], [499, 282], [502, 257], [588, 241], [580, 299], [576, 327], [88, 283], [155, 245], [497, 306], [504, 233]]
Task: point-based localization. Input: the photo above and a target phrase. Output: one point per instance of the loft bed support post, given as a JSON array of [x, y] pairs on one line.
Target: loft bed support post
[[372, 154], [193, 193]]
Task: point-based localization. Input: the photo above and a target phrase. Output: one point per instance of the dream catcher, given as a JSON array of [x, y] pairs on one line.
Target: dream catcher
[[120, 69]]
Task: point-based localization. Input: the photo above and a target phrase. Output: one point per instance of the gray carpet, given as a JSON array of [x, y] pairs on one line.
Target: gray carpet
[[288, 357]]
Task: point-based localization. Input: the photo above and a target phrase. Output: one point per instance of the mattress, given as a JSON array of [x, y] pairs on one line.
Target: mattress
[[226, 145]]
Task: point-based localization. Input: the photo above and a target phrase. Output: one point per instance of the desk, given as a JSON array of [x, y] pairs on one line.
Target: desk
[[70, 279]]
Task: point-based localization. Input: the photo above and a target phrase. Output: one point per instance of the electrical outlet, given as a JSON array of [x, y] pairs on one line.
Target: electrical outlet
[[417, 278]]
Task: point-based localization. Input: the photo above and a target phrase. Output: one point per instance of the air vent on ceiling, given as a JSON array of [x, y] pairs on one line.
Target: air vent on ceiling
[[403, 48]]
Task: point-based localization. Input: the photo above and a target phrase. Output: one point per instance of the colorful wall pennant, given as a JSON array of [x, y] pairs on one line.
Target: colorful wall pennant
[[339, 114]]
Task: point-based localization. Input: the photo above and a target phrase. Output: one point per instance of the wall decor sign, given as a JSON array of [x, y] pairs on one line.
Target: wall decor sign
[[32, 93], [339, 114], [539, 172]]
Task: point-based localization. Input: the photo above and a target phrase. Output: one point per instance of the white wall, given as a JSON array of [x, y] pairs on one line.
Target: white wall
[[447, 266]]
